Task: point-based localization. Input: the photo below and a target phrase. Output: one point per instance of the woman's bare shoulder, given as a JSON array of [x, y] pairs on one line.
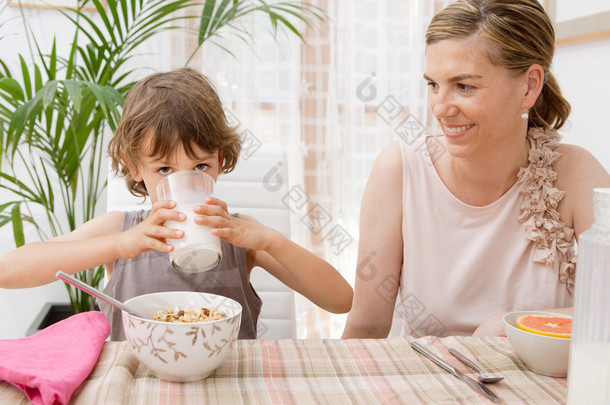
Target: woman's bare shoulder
[[384, 185], [578, 167], [570, 152], [389, 160], [386, 174], [578, 173]]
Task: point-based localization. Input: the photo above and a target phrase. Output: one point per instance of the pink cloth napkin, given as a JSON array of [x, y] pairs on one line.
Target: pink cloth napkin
[[50, 365]]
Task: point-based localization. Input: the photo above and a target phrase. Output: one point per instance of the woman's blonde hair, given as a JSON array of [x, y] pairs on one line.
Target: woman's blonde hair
[[523, 35], [179, 107]]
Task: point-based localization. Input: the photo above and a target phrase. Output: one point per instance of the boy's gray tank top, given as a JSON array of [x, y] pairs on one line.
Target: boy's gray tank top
[[151, 272]]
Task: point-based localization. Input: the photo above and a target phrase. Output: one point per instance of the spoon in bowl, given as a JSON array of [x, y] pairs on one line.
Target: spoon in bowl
[[96, 293], [483, 377]]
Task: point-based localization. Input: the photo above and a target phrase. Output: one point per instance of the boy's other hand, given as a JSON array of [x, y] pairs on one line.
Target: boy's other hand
[[243, 231], [150, 234]]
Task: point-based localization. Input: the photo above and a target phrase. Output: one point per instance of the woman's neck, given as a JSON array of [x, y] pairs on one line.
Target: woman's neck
[[481, 180]]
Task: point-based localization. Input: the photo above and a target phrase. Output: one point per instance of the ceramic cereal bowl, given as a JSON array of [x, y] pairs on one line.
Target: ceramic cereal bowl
[[543, 354], [177, 351]]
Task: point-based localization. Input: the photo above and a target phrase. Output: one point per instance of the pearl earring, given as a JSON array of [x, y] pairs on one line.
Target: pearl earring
[[525, 115]]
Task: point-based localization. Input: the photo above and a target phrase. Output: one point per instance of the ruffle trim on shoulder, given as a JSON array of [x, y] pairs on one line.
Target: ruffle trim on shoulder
[[539, 206]]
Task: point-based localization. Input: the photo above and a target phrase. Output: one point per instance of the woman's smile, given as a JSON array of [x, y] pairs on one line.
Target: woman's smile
[[456, 131]]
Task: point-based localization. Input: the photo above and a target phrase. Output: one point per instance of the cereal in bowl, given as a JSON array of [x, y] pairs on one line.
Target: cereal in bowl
[[188, 315]]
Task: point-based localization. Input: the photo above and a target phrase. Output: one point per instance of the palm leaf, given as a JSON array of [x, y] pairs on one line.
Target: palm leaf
[[19, 188], [206, 18], [26, 77], [12, 88], [74, 92], [7, 205], [17, 225], [48, 92], [216, 16]]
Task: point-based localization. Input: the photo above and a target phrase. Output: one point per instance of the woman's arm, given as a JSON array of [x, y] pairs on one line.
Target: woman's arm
[[380, 250]]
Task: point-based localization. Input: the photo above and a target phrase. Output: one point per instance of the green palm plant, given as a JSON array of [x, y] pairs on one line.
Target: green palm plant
[[55, 113], [217, 16], [56, 110]]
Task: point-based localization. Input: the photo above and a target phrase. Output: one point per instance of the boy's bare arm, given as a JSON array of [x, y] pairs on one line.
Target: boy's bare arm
[[306, 273], [290, 263], [36, 263], [99, 241]]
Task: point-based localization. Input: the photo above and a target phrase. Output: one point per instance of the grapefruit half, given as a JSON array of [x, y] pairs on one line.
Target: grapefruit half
[[546, 325]]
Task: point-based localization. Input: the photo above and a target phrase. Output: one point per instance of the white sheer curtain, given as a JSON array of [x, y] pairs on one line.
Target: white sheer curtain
[[366, 89], [333, 104]]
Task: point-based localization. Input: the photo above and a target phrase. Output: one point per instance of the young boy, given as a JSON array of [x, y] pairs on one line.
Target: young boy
[[174, 121]]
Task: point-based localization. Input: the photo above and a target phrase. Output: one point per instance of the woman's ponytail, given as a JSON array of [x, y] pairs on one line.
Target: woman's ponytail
[[551, 110]]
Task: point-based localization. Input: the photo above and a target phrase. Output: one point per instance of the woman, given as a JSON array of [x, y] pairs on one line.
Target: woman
[[489, 225]]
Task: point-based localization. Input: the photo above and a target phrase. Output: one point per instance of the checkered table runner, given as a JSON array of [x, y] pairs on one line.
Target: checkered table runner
[[355, 371]]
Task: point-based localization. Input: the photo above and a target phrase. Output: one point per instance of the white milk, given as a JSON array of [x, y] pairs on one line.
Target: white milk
[[198, 250], [589, 376]]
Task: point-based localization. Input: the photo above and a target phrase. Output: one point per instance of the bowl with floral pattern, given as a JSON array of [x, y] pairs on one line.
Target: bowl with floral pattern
[[182, 346]]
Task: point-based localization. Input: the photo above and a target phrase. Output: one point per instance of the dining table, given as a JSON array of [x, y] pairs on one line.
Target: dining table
[[320, 371]]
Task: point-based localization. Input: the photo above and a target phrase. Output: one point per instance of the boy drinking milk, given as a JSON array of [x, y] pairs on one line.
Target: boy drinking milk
[[171, 122]]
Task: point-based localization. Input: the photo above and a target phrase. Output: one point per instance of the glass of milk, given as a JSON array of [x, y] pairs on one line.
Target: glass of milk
[[198, 250]]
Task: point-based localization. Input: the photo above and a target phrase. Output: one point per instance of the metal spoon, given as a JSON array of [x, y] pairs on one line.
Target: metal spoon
[[483, 377], [96, 293]]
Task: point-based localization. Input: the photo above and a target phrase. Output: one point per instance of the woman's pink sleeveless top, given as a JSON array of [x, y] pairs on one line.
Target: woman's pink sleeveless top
[[463, 263]]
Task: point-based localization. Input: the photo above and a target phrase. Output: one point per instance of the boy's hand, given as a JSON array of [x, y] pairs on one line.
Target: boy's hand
[[243, 232], [150, 234]]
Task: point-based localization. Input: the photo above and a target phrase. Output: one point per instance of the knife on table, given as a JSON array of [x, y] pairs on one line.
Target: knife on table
[[475, 385]]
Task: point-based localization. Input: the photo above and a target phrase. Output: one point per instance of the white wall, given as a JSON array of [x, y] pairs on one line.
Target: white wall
[[583, 72]]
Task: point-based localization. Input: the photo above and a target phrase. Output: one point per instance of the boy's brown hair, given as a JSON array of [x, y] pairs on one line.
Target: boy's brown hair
[[176, 107]]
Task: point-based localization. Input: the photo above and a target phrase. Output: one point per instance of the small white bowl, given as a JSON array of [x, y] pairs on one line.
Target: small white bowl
[[543, 354], [181, 351]]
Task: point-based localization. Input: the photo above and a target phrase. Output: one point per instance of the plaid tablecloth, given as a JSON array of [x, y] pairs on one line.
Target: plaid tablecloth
[[356, 371]]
